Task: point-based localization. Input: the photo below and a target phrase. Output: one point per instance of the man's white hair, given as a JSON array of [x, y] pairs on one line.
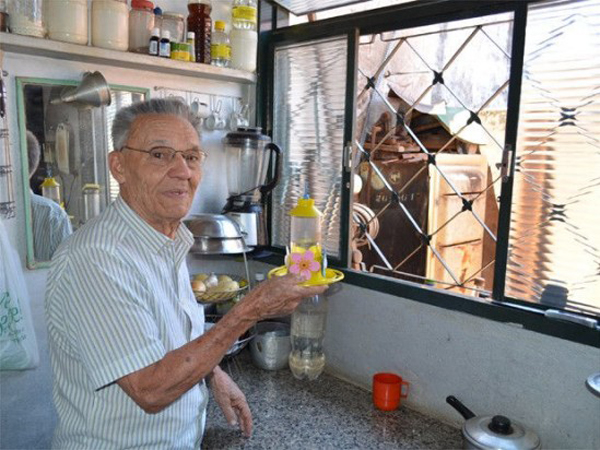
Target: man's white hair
[[126, 116]]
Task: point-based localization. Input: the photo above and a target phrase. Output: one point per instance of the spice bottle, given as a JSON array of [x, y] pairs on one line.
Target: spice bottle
[[154, 42], [164, 45], [191, 42], [220, 48], [200, 23]]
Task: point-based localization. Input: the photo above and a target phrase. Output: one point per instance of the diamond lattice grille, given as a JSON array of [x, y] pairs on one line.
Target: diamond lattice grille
[[431, 116]]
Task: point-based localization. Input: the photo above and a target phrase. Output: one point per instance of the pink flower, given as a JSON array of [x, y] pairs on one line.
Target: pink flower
[[304, 264]]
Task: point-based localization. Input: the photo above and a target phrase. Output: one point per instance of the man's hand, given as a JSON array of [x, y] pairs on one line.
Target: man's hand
[[278, 296], [231, 400]]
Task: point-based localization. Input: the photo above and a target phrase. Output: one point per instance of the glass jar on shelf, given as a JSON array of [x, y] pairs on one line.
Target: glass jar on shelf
[[110, 24], [243, 36], [174, 23], [26, 17], [141, 24], [67, 20]]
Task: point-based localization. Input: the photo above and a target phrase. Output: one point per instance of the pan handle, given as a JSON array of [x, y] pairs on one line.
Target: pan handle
[[462, 409]]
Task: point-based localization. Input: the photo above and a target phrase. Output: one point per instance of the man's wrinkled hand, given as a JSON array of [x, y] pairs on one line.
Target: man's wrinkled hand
[[279, 296], [231, 400]]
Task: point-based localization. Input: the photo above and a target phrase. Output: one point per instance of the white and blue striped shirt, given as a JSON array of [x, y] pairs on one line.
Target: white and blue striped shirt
[[51, 226], [118, 299]]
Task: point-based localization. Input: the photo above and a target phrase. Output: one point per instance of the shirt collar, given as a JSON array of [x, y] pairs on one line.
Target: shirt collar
[[150, 238]]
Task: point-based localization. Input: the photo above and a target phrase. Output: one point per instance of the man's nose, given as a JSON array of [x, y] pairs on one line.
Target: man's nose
[[179, 167]]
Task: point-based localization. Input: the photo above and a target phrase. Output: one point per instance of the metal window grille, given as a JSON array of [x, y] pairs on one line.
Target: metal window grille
[[431, 112]]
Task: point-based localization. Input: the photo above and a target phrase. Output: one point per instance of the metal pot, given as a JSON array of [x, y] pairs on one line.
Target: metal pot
[[271, 346], [494, 432]]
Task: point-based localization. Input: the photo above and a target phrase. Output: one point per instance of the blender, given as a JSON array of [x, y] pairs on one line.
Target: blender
[[248, 153]]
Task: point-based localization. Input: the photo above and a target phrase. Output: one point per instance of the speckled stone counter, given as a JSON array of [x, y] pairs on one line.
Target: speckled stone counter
[[323, 414]]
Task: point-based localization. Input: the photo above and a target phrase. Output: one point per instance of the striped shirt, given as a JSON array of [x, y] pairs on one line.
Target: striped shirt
[[118, 299], [51, 226]]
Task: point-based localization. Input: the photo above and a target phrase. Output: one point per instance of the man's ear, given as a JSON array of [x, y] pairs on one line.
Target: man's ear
[[116, 166]]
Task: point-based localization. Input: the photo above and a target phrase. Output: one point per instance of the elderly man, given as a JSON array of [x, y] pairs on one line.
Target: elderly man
[[129, 355], [51, 224]]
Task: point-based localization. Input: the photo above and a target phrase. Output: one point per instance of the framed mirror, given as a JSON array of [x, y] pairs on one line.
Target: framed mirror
[[64, 150]]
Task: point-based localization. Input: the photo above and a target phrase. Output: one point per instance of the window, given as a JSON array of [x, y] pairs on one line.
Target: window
[[447, 186]]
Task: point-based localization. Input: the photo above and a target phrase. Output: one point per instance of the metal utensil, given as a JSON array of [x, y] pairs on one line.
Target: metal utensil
[[493, 432], [271, 345], [215, 234]]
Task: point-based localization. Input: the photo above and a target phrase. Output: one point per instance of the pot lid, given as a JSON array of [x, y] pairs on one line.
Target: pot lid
[[499, 432]]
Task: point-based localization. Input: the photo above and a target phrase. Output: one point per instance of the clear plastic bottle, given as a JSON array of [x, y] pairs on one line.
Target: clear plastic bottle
[[220, 48], [307, 358], [200, 22], [244, 14]]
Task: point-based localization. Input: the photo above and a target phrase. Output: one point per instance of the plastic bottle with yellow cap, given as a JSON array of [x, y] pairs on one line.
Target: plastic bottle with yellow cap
[[51, 189], [305, 256]]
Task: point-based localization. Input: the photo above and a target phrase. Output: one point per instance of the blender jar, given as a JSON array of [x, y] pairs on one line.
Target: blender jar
[[247, 152]]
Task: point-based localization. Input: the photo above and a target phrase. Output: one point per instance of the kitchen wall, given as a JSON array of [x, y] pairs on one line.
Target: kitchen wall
[[492, 367]]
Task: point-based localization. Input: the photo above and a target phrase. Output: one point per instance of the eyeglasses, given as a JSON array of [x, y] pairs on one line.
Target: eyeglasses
[[164, 156]]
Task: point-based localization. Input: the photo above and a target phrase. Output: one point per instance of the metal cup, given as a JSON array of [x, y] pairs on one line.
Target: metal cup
[[271, 346]]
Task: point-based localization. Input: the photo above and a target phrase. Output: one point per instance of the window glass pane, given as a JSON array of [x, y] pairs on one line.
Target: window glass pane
[[431, 114], [308, 125], [554, 253]]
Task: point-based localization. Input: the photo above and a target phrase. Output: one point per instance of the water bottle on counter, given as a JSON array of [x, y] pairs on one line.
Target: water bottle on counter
[[307, 358]]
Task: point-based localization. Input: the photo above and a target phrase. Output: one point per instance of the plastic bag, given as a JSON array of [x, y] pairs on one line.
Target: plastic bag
[[18, 346]]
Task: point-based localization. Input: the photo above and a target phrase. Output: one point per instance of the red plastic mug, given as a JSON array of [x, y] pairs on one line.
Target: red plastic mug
[[388, 389]]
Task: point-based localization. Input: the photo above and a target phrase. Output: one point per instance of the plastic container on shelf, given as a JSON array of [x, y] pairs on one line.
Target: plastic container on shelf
[[220, 48], [244, 44], [200, 22], [67, 20], [141, 24], [174, 23], [110, 24], [244, 14], [26, 17]]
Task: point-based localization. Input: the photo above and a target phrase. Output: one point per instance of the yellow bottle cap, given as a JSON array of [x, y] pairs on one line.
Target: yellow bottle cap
[[91, 186], [305, 208], [50, 182], [220, 25]]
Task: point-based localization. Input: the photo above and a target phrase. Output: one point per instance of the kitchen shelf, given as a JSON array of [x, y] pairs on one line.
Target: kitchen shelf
[[72, 52]]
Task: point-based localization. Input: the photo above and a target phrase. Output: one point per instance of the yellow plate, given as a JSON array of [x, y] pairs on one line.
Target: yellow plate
[[332, 276]]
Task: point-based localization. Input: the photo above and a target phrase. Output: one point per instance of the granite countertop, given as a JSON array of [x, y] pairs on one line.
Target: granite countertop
[[321, 414]]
